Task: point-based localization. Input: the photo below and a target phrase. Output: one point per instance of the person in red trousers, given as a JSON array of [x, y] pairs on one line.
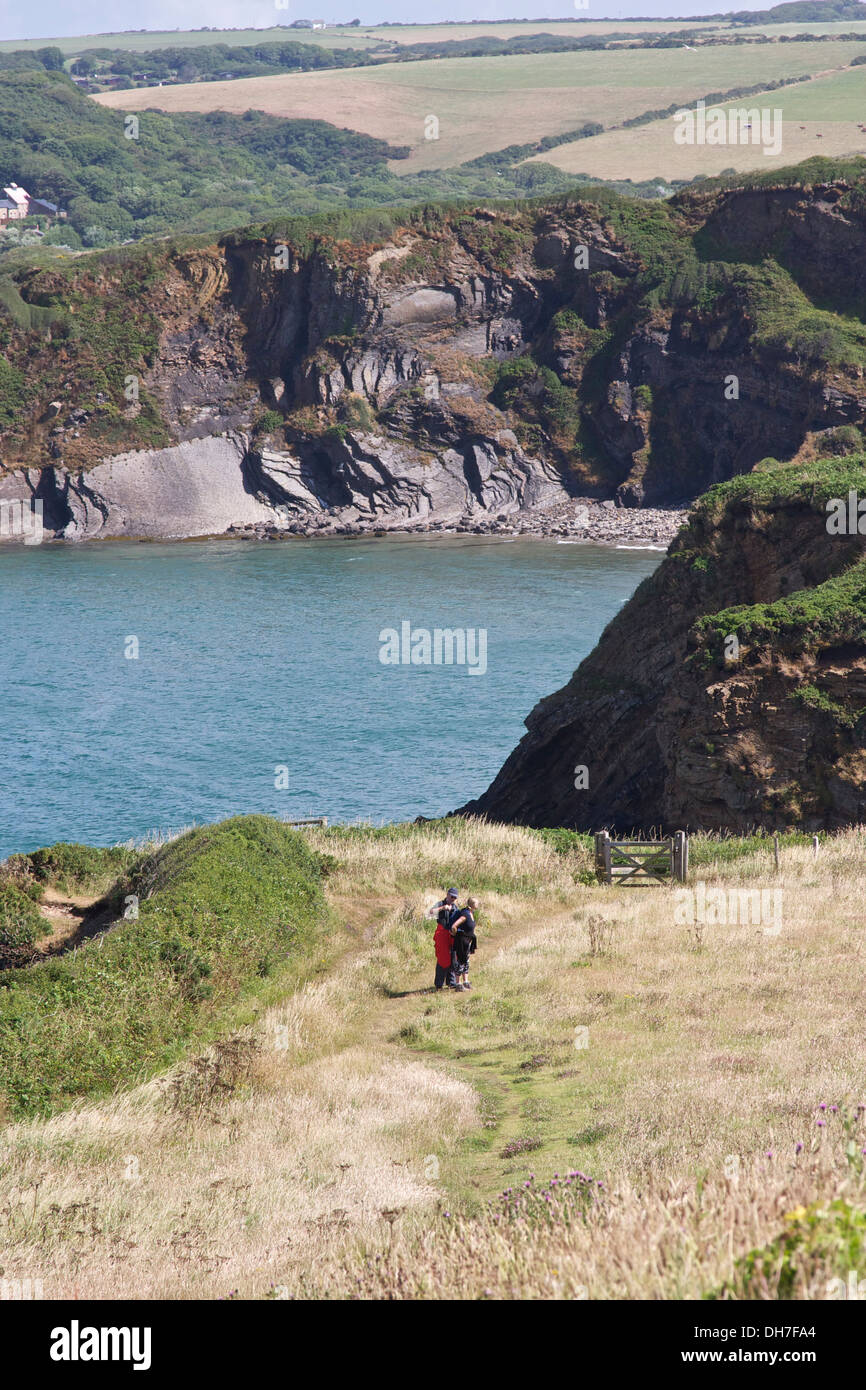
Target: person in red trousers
[[443, 942]]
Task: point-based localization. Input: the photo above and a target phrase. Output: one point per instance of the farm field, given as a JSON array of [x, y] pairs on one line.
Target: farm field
[[484, 104], [363, 37], [820, 117]]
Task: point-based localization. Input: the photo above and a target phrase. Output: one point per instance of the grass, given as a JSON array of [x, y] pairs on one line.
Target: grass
[[77, 868], [21, 923], [832, 614], [370, 1139], [218, 910]]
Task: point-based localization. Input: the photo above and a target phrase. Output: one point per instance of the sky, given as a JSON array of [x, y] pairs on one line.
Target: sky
[[28, 19]]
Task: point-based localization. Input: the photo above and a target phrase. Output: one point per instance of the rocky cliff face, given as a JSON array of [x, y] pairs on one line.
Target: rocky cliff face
[[481, 364], [730, 692]]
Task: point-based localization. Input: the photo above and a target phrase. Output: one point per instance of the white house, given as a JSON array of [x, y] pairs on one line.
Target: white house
[[14, 204], [17, 203]]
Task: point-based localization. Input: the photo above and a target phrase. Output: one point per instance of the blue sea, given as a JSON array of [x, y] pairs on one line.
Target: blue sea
[[146, 687]]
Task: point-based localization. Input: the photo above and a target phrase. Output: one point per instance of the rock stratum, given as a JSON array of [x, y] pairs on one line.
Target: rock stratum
[[730, 692], [442, 367]]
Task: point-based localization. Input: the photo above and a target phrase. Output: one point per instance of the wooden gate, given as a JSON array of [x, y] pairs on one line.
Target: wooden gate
[[641, 863]]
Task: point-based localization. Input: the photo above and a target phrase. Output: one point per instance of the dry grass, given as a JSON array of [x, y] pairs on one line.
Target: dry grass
[[649, 151], [819, 117], [353, 1149]]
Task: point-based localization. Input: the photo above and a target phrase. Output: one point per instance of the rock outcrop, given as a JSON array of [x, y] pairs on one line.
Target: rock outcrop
[[197, 488], [490, 363], [729, 693]]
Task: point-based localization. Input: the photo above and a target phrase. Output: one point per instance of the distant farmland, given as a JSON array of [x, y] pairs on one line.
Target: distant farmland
[[485, 104], [367, 36], [363, 37], [820, 117]]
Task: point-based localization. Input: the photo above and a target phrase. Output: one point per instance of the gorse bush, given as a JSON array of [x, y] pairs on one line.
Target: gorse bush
[[218, 909], [816, 1239], [21, 923], [78, 868]]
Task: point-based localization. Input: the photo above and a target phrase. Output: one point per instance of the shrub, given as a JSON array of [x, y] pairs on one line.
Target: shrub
[[21, 924], [79, 868], [355, 412], [268, 422], [217, 908]]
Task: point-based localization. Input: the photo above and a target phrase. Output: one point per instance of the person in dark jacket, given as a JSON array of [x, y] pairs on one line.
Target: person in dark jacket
[[465, 942]]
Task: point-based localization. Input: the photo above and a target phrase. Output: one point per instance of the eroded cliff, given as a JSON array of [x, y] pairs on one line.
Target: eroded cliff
[[442, 366], [730, 692]]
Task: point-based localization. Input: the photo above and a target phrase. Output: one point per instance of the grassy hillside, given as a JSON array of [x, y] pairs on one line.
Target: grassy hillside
[[192, 172], [613, 1066], [201, 172], [487, 103], [219, 910]]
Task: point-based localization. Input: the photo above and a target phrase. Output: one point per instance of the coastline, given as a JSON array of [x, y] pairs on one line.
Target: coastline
[[579, 520]]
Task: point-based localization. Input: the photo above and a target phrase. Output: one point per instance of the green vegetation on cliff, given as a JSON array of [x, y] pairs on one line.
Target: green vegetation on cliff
[[218, 911], [832, 614], [828, 615], [617, 375]]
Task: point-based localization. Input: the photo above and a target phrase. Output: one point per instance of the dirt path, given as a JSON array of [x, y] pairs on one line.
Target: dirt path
[[67, 917]]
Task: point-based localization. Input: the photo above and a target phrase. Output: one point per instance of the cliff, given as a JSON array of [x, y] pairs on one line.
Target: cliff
[[437, 366], [730, 692]]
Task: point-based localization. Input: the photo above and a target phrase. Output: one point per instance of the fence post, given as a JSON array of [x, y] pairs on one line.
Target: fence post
[[815, 846], [776, 851], [602, 855], [680, 856]]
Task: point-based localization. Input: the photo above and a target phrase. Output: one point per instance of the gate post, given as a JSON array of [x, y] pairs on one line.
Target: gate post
[[680, 856], [602, 856]]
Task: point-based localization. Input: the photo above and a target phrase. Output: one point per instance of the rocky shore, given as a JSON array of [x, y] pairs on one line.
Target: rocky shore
[[364, 485], [581, 519]]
